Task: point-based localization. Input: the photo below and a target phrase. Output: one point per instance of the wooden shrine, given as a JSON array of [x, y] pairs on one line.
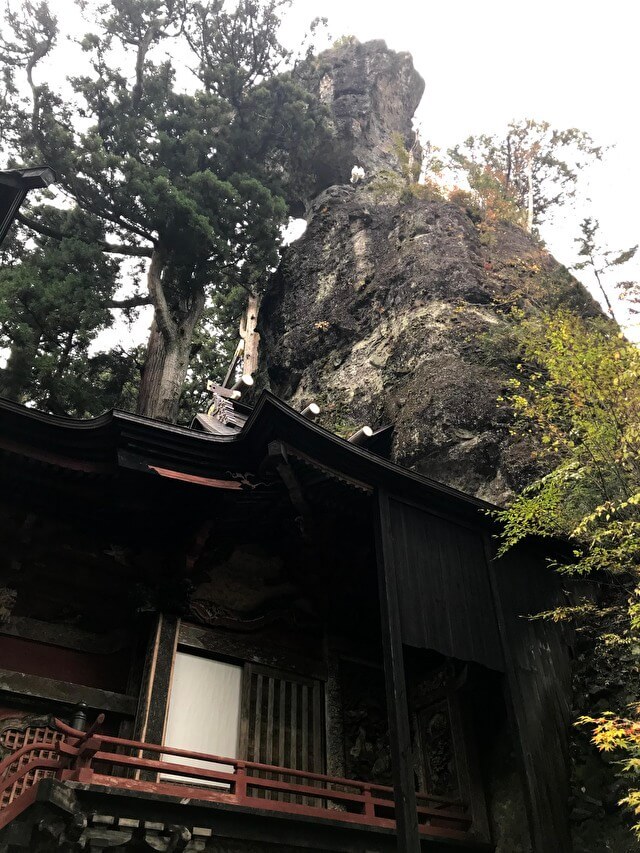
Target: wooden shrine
[[255, 635]]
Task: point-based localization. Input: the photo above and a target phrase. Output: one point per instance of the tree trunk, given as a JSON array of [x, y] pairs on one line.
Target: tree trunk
[[163, 375], [530, 193], [168, 350]]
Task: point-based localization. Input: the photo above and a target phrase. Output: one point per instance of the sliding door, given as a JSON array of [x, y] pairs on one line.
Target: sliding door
[[204, 711]]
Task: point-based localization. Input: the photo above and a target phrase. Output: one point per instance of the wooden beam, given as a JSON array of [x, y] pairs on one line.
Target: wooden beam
[[65, 636], [253, 650], [278, 456], [20, 685], [154, 702], [395, 682]]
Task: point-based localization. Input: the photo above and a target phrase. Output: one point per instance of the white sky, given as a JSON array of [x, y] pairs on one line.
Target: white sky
[[485, 63], [572, 63]]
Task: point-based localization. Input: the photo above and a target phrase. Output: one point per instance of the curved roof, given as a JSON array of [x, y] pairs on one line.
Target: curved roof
[[120, 440]]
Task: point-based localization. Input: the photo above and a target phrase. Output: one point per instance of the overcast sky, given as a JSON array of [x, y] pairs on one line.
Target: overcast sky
[[574, 64]]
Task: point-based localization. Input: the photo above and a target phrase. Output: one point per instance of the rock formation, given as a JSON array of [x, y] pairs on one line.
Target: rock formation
[[391, 311], [371, 94]]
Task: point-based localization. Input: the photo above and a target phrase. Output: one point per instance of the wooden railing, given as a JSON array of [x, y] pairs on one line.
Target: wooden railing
[[97, 759]]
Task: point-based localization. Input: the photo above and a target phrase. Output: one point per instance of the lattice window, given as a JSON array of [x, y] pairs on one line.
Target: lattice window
[[282, 725], [19, 733]]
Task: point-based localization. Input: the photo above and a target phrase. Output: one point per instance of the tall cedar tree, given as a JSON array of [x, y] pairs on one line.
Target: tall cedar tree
[[197, 182]]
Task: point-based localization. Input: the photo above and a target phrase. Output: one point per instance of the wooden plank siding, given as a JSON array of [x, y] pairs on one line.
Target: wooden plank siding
[[539, 689], [454, 598], [444, 589]]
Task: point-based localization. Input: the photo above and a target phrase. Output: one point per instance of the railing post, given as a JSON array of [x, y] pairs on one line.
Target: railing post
[[369, 806], [79, 719], [82, 769], [241, 782], [87, 747]]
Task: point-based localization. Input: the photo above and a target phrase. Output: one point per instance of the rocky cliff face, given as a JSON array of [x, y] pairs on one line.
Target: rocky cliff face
[[371, 94], [391, 310]]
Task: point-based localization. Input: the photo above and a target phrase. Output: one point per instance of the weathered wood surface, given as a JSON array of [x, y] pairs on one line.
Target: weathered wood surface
[[19, 685], [253, 650], [154, 702], [395, 680], [443, 586], [66, 636], [454, 599], [539, 690]]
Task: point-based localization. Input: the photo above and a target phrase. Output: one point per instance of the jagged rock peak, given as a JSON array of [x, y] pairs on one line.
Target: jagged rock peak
[[372, 93]]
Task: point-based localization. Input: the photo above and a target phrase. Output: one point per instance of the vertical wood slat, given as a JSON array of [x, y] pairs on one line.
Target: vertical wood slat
[[317, 727], [293, 756], [271, 732], [282, 730], [286, 726], [257, 730], [304, 728], [304, 734]]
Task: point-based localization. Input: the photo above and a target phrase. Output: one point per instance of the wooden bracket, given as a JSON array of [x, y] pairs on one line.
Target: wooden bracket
[[277, 456]]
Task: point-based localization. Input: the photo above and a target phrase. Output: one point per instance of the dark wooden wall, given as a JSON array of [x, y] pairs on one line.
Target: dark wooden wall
[[446, 602], [456, 599], [539, 681]]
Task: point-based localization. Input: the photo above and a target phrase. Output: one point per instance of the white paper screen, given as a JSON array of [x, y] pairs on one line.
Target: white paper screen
[[204, 711]]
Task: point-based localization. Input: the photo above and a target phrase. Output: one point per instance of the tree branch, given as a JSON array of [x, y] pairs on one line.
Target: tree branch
[[131, 302], [114, 248], [163, 316]]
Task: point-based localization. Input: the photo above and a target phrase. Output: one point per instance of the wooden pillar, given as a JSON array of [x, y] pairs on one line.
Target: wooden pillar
[[154, 697], [396, 688], [334, 709]]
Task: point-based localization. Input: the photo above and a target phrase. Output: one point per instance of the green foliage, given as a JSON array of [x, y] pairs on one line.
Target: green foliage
[[600, 261], [578, 395], [197, 180], [404, 184], [341, 41], [53, 300], [469, 201], [521, 175]]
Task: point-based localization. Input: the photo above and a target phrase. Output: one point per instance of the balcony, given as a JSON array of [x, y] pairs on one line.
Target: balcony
[[91, 760]]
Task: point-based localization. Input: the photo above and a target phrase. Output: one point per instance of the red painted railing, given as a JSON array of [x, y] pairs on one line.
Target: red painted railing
[[94, 758]]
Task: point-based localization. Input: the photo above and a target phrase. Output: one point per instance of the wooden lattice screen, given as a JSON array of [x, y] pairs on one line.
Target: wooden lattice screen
[[16, 734], [282, 721]]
